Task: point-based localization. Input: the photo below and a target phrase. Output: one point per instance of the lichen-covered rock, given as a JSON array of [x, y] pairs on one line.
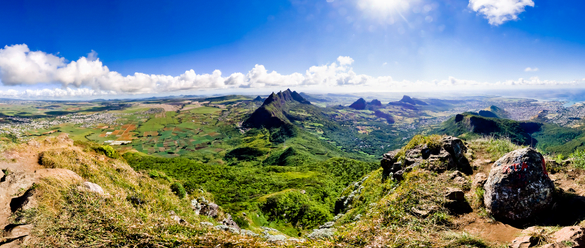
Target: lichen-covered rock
[[518, 186], [228, 221], [324, 233], [226, 228]]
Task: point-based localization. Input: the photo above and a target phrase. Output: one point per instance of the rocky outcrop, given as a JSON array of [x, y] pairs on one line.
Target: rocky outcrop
[[205, 207], [518, 186], [228, 221], [449, 154], [456, 202]]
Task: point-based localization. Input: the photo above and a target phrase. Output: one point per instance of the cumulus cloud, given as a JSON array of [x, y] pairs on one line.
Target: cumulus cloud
[[500, 11], [88, 77], [528, 69], [20, 66]]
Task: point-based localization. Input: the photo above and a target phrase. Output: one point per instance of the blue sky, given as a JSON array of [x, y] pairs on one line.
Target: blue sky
[[185, 47]]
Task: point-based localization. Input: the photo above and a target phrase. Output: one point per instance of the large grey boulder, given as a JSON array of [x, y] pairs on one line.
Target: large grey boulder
[[518, 186]]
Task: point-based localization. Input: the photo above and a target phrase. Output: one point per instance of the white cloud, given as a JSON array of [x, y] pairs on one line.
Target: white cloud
[[500, 11], [528, 69], [89, 77]]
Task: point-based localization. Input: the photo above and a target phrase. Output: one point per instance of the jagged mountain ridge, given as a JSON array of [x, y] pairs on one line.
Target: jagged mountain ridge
[[272, 112]]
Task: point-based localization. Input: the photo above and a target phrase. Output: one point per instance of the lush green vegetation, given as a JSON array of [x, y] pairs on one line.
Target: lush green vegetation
[[294, 207], [257, 168]]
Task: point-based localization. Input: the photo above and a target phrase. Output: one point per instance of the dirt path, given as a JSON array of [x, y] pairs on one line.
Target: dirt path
[[20, 170]]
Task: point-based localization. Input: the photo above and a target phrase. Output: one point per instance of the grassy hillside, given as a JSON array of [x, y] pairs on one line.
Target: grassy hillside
[[135, 210]]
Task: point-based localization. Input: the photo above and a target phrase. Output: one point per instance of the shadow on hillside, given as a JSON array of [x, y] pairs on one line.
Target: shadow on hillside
[[568, 210]]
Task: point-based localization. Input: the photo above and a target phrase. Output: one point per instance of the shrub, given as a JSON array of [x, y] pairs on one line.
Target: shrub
[[178, 189], [296, 208], [578, 158], [159, 174], [107, 150]]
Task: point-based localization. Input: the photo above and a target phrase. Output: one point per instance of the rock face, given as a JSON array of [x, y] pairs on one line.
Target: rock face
[[450, 154], [518, 186]]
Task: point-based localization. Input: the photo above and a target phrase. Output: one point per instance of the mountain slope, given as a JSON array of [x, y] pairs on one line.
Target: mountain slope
[[473, 125]]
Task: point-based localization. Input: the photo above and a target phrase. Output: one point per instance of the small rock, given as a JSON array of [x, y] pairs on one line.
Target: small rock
[[454, 194], [324, 233], [275, 238], [206, 224], [176, 218], [268, 229], [196, 206], [16, 231], [479, 180], [575, 234], [24, 202], [456, 202], [248, 233], [226, 228], [327, 225], [91, 187], [524, 242], [210, 209], [295, 240], [228, 221]]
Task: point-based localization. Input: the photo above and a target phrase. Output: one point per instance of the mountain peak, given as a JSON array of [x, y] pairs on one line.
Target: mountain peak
[[360, 104], [271, 113]]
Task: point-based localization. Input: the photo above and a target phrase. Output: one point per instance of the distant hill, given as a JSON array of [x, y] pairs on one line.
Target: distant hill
[[409, 103], [361, 104], [494, 112], [471, 124], [258, 99], [272, 113], [409, 100], [375, 102]]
